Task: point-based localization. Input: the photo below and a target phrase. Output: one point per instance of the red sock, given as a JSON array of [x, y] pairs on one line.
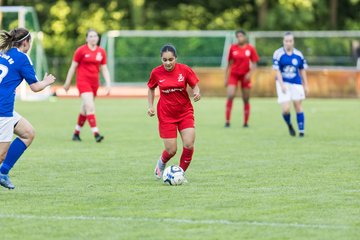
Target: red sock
[[92, 122], [246, 112], [186, 157], [165, 156], [80, 123], [229, 105]]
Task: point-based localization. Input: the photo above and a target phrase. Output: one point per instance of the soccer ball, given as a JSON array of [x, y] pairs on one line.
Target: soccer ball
[[174, 175]]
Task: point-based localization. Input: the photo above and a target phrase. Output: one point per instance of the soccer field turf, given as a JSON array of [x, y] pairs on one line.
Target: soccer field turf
[[256, 183]]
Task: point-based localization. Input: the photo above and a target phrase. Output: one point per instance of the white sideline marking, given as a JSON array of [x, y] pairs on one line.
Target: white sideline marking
[[180, 221]]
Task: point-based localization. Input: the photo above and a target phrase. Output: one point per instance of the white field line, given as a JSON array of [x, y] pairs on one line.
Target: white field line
[[171, 220]]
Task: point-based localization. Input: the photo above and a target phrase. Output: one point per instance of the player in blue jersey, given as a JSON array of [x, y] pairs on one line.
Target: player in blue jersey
[[291, 81], [15, 66]]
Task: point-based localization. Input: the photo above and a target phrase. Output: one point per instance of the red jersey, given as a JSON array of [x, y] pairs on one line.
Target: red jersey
[[241, 57], [174, 104], [89, 63]]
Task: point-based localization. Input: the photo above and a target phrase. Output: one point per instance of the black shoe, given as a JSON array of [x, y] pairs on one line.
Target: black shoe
[[245, 125], [76, 138], [301, 134], [98, 137], [292, 131], [227, 125]]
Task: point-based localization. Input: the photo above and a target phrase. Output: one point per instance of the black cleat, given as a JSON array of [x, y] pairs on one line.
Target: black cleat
[[301, 134], [227, 125], [245, 125], [76, 138], [292, 131], [98, 137]]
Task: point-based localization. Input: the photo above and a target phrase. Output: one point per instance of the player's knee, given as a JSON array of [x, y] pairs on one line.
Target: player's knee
[[172, 151], [29, 134], [89, 108], [286, 109], [2, 156], [231, 96], [298, 108], [189, 145]]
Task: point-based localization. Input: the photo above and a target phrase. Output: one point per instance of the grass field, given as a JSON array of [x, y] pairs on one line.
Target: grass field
[[256, 183]]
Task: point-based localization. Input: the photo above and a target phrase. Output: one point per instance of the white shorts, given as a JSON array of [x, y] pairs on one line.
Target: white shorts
[[294, 92], [7, 125]]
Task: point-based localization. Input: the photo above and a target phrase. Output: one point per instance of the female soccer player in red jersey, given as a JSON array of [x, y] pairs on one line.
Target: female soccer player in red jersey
[[242, 61], [174, 109], [88, 60]]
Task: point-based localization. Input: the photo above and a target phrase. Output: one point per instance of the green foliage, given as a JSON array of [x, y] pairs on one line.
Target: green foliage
[[314, 50], [135, 57], [290, 16], [65, 22]]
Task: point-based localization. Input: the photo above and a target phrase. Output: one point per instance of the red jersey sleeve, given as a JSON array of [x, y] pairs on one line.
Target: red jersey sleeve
[[152, 83], [78, 55], [230, 56], [191, 77], [104, 60], [254, 56]]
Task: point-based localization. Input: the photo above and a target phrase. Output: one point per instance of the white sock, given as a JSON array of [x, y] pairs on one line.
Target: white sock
[[161, 165]]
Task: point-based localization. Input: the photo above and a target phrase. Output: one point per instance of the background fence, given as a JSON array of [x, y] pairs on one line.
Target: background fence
[[132, 54]]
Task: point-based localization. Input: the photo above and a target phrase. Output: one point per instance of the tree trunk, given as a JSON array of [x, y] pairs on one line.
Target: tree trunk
[[262, 14], [333, 13], [137, 13]]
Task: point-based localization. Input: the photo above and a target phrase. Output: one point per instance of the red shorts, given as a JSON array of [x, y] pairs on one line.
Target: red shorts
[[84, 87], [234, 80], [169, 130]]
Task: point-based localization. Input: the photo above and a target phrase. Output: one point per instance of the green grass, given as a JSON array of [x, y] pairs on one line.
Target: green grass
[[256, 183]]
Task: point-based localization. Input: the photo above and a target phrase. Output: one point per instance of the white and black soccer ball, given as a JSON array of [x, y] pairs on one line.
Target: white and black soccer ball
[[174, 175]]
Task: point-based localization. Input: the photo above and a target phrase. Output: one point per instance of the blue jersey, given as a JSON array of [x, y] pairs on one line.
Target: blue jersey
[[14, 67], [289, 65]]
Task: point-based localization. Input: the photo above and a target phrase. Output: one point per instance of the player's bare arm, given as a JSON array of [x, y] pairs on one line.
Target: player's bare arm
[[105, 72], [227, 70], [196, 93], [70, 75], [253, 66], [280, 79], [47, 81], [151, 98], [304, 80]]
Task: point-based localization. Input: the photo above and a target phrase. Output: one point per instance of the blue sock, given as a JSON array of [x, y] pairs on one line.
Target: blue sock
[[301, 121], [15, 151], [287, 118]]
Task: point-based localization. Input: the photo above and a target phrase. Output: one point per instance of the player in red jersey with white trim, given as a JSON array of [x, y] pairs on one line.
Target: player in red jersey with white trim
[[174, 109], [88, 60], [242, 61]]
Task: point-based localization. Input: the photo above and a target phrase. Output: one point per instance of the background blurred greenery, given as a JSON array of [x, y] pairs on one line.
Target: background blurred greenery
[[65, 23]]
